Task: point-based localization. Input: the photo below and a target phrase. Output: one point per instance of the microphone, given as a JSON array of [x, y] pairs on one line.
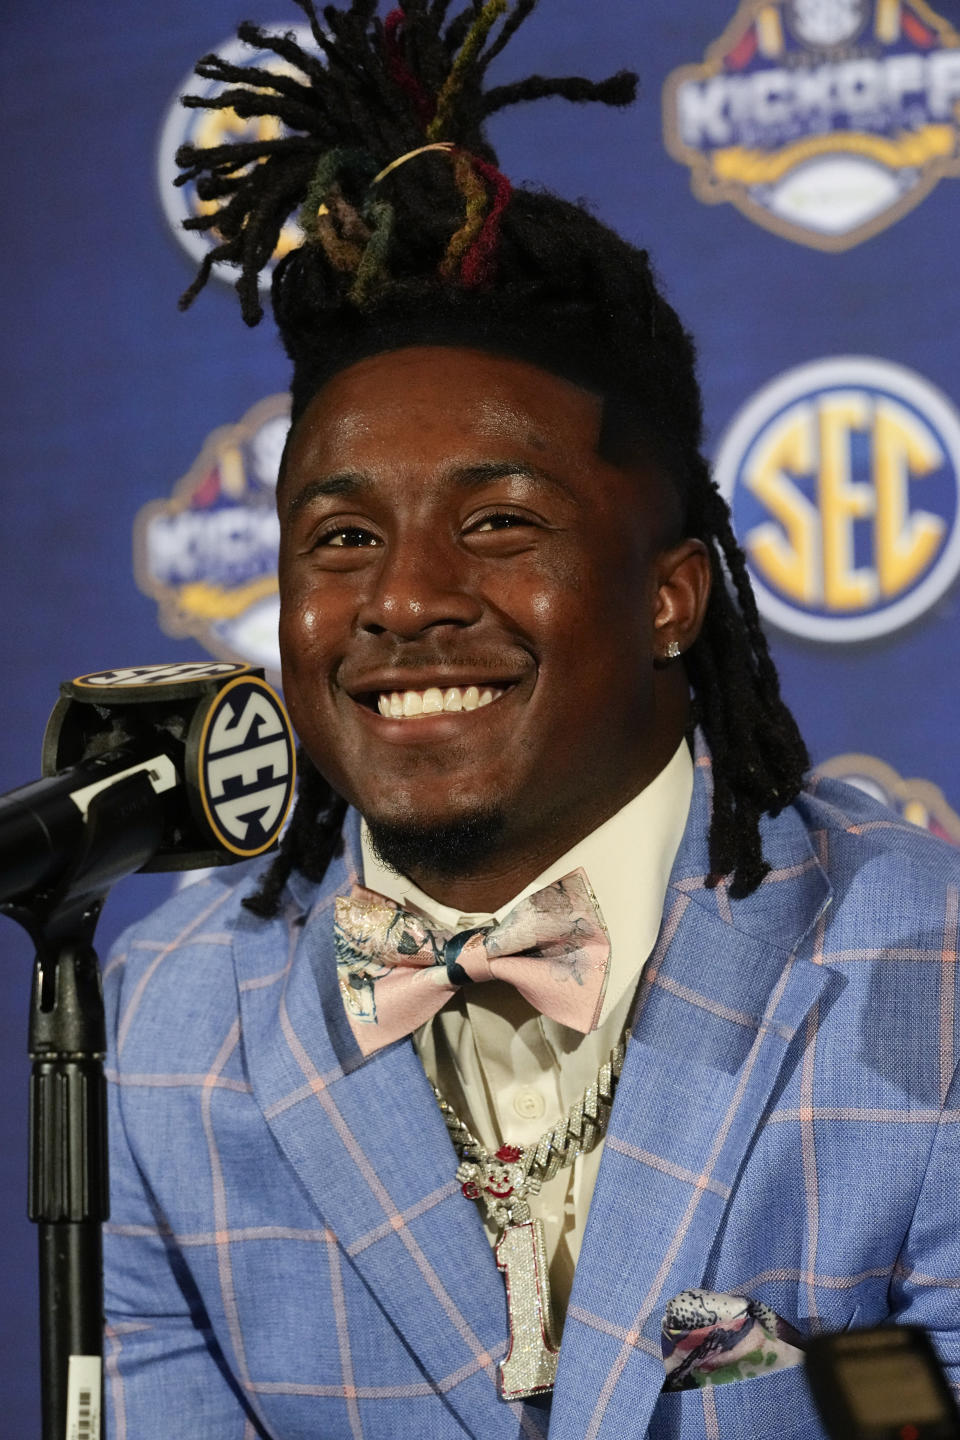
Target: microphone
[[153, 767], [885, 1383]]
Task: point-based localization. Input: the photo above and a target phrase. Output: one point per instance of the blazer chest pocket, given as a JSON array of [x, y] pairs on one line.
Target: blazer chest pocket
[[777, 1406]]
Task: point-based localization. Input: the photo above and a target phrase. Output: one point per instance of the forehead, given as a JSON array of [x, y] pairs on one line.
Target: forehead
[[434, 398]]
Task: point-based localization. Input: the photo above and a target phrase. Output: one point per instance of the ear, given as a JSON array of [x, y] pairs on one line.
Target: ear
[[683, 589]]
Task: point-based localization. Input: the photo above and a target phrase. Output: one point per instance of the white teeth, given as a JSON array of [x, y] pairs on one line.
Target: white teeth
[[404, 704]]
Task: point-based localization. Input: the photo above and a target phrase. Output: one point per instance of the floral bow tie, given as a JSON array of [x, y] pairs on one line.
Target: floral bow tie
[[395, 972]]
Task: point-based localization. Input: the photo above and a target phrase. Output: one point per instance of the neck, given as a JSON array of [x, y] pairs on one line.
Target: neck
[[484, 893], [512, 867]]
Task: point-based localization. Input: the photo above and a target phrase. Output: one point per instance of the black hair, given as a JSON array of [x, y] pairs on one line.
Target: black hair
[[440, 248]]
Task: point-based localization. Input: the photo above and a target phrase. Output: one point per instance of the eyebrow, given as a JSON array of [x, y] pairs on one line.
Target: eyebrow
[[466, 477], [347, 483]]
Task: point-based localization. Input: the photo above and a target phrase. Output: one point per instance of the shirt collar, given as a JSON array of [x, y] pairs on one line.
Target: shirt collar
[[627, 860]]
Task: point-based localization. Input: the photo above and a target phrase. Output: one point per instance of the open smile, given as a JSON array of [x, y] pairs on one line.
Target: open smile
[[411, 704], [433, 693]]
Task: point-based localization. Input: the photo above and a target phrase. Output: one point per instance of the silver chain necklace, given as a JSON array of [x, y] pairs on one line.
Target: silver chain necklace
[[502, 1183]]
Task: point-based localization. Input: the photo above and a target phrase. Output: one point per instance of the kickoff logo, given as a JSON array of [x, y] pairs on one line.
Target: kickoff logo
[[821, 120], [206, 128], [843, 478], [208, 555]]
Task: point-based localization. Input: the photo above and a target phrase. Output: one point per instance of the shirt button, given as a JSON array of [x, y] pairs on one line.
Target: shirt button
[[529, 1104]]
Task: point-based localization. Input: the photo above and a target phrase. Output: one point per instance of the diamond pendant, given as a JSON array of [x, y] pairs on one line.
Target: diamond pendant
[[501, 1183], [530, 1366]]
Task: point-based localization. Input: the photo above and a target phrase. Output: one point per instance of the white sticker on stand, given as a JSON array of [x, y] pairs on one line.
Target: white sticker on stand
[[83, 1397]]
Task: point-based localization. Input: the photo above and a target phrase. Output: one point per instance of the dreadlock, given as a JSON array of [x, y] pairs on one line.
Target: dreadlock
[[412, 235]]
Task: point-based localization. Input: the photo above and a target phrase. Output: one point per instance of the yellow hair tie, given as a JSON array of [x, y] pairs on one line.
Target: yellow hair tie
[[324, 209], [402, 159]]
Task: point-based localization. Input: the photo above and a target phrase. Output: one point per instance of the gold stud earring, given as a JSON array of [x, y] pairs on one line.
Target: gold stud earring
[[672, 651]]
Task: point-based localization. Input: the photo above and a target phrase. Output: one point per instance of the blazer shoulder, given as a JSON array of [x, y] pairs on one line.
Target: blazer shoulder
[[216, 896], [873, 856], [849, 816], [176, 977], [176, 964]]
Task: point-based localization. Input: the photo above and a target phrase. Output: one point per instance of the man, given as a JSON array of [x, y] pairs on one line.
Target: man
[[691, 1027]]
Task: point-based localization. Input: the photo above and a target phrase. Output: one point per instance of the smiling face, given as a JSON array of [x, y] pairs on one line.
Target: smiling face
[[474, 608]]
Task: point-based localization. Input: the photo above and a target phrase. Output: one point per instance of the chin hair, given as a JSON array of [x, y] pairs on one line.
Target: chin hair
[[448, 850]]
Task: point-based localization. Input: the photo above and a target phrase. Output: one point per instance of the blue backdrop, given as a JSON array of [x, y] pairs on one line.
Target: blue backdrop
[[792, 169]]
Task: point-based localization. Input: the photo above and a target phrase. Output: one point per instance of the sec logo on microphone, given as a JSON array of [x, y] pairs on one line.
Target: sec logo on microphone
[[240, 753], [843, 478]]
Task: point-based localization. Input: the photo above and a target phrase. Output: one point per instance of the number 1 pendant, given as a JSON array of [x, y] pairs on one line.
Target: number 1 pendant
[[530, 1366]]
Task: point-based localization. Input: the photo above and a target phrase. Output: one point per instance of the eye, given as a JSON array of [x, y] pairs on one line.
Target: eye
[[499, 520], [347, 537], [500, 533]]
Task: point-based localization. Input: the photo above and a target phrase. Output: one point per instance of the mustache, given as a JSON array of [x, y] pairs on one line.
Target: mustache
[[501, 661]]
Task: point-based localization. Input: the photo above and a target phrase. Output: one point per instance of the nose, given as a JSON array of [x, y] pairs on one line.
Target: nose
[[419, 584]]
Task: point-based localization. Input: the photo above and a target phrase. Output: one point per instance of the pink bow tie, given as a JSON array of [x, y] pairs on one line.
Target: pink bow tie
[[395, 972]]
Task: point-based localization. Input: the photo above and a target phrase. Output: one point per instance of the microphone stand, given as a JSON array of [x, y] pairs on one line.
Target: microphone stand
[[156, 767], [68, 1181]]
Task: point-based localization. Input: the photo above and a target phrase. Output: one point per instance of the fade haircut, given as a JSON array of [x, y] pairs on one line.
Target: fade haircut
[[440, 248]]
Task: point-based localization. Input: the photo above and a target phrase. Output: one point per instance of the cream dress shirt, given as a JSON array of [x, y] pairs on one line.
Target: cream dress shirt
[[508, 1071]]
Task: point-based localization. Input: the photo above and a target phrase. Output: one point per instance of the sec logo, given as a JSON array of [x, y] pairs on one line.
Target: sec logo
[[142, 677], [207, 128], [241, 766], [843, 478]]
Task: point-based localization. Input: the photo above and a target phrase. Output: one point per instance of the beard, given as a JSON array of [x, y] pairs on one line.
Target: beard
[[448, 851]]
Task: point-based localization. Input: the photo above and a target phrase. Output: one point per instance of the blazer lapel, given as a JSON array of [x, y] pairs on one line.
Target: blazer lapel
[[382, 1175], [720, 1002]]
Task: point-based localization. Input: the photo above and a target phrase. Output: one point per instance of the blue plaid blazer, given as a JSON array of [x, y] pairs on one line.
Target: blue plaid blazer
[[289, 1255]]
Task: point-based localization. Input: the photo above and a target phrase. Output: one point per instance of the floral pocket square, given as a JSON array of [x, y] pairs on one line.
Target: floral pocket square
[[711, 1339]]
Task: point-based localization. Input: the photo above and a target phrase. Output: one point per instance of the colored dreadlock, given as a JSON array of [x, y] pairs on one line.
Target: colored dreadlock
[[414, 236]]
